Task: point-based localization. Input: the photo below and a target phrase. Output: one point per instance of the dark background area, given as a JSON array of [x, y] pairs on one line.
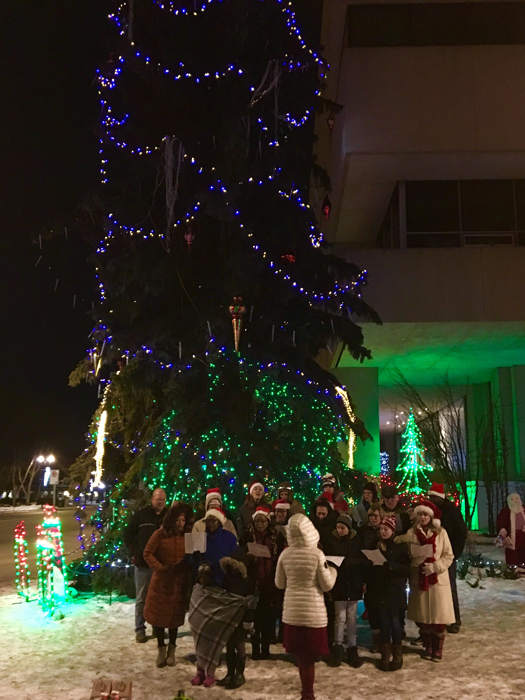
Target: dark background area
[[49, 51]]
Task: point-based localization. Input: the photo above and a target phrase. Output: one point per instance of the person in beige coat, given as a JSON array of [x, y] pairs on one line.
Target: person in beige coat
[[304, 574], [430, 603], [213, 501]]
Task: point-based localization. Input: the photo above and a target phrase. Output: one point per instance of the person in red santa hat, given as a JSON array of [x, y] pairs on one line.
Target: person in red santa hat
[[214, 500], [270, 543], [254, 499], [430, 603], [511, 528]]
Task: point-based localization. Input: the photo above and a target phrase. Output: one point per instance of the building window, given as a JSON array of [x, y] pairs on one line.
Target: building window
[[436, 24]]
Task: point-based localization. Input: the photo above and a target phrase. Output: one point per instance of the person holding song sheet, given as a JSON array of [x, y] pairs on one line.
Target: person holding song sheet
[[367, 539], [342, 551], [386, 593], [430, 603], [265, 543], [219, 543]]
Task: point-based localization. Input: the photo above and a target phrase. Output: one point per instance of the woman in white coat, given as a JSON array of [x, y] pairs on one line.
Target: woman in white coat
[[430, 603], [304, 574]]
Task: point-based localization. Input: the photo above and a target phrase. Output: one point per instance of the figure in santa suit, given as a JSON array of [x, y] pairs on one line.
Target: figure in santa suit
[[511, 527]]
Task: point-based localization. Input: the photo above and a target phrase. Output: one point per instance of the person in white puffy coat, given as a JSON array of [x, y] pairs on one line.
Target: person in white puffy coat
[[304, 574]]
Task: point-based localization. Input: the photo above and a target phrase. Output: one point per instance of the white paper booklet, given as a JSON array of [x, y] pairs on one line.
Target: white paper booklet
[[375, 556], [195, 542]]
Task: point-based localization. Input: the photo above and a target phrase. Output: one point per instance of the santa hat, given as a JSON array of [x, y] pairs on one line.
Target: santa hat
[[254, 482], [213, 494], [390, 521], [216, 513], [436, 490], [262, 510], [281, 504], [430, 509]]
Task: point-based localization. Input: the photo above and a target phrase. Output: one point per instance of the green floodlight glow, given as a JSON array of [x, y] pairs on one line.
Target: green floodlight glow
[[413, 464]]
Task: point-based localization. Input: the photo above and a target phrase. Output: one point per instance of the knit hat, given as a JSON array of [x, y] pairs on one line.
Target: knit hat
[[284, 486], [436, 490], [389, 491], [370, 486], [281, 504], [346, 520], [329, 480], [262, 510], [390, 521], [216, 513], [212, 494], [254, 482], [430, 509]]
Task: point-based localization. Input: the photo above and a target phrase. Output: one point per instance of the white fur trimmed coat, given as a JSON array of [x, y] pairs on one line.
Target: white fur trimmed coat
[[303, 572], [435, 606]]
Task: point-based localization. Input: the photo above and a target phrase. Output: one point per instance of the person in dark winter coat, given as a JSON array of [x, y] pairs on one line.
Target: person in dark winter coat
[[452, 521], [237, 581], [254, 498], [141, 526], [324, 518], [346, 593], [361, 509], [386, 591], [166, 600], [332, 494], [367, 538], [285, 493], [264, 533], [219, 543], [281, 516], [391, 506]]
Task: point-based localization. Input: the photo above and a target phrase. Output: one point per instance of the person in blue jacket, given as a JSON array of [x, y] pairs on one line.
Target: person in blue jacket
[[219, 543]]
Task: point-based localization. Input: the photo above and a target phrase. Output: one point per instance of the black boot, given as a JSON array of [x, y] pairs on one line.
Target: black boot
[[353, 658], [397, 657], [336, 657], [265, 652], [238, 677], [230, 665], [256, 649]]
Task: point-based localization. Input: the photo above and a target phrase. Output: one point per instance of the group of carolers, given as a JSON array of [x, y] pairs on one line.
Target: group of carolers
[[272, 562]]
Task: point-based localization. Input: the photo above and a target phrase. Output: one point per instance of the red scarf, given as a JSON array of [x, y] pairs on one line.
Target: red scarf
[[427, 580]]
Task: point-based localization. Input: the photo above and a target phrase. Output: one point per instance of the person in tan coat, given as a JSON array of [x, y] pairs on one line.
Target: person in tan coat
[[430, 603], [166, 600]]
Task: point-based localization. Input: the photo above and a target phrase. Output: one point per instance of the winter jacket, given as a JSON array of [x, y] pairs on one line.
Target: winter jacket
[[304, 574], [237, 581], [265, 568], [349, 583], [368, 537], [337, 501], [403, 522], [219, 544], [324, 527], [434, 606], [140, 528], [386, 585], [245, 515], [200, 526], [452, 521], [295, 506], [166, 600]]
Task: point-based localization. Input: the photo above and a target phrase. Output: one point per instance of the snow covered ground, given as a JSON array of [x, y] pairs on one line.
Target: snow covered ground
[[21, 509], [46, 659]]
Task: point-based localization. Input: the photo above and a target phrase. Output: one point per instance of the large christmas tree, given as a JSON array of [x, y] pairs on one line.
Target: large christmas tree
[[218, 290]]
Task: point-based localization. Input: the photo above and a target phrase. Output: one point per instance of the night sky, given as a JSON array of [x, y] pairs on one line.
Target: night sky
[[49, 50]]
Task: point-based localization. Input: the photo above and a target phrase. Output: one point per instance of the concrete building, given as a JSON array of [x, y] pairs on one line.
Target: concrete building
[[427, 160]]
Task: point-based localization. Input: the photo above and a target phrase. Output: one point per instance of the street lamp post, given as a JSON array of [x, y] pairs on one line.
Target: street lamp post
[[50, 459]]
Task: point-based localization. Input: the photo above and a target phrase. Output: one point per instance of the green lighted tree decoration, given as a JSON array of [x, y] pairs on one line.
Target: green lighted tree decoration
[[413, 465]]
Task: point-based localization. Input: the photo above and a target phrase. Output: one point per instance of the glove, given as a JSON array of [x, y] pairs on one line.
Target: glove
[[427, 569]]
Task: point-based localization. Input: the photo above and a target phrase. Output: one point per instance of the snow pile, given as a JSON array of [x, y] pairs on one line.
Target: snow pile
[[21, 509], [44, 659]]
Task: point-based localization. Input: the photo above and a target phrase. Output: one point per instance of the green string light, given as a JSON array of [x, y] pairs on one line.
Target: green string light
[[413, 464]]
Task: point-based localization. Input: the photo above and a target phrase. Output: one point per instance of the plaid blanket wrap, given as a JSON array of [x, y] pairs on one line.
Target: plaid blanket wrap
[[214, 615]]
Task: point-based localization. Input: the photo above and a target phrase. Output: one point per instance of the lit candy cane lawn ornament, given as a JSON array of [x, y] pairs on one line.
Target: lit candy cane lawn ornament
[[22, 569]]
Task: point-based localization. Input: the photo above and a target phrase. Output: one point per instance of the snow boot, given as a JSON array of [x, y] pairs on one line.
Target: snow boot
[[384, 663], [170, 656], [397, 657], [437, 647], [374, 649], [141, 637], [238, 678], [231, 666], [353, 658], [454, 628], [256, 651], [265, 652], [198, 678], [161, 657], [209, 681], [426, 638], [336, 657]]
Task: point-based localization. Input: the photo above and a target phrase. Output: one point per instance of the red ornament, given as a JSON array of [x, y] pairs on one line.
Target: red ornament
[[237, 310], [289, 257], [327, 207], [188, 237]]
